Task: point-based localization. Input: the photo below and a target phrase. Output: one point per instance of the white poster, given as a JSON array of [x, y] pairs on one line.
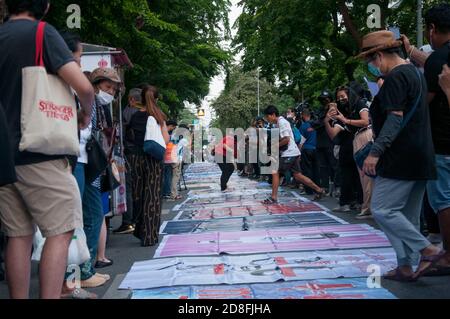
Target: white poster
[[94, 61]]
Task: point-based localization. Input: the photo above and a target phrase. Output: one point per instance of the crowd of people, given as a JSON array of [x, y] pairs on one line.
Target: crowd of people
[[389, 153], [385, 156], [61, 192]]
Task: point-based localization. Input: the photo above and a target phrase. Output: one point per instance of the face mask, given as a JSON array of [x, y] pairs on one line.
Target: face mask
[[104, 98], [374, 70]]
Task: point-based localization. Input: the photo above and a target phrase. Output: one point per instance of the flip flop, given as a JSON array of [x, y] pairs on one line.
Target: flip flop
[[432, 260], [437, 270], [79, 294], [400, 277], [270, 201]]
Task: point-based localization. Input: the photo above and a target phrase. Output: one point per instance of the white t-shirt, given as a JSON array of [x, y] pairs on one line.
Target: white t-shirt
[[84, 137], [286, 131]]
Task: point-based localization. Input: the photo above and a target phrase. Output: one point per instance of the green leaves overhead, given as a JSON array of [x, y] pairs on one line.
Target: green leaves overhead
[[175, 45], [237, 106], [309, 45]]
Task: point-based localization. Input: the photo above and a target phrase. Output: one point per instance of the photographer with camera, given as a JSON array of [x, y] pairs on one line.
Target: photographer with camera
[[309, 163], [344, 119]]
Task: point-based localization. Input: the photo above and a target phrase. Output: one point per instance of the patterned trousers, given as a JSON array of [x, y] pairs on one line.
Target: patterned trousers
[[147, 182]]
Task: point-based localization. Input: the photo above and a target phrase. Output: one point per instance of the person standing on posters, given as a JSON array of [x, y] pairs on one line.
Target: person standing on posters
[[289, 159]]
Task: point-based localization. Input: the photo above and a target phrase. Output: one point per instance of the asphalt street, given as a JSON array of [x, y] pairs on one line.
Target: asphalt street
[[124, 250]]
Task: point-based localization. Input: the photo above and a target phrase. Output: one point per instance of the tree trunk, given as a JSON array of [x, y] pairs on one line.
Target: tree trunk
[[348, 22], [2, 11]]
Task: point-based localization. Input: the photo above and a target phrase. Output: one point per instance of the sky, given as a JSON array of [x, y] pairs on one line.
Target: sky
[[218, 83]]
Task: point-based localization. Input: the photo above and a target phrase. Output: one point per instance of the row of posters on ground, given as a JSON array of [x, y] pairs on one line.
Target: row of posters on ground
[[231, 246]]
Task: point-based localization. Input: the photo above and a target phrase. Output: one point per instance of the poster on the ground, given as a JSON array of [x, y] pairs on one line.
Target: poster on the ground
[[249, 223], [283, 239], [316, 289], [262, 268]]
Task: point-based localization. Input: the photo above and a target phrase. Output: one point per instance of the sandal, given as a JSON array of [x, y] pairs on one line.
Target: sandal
[[400, 277], [430, 259], [79, 293], [103, 264], [320, 195], [270, 201], [437, 271]]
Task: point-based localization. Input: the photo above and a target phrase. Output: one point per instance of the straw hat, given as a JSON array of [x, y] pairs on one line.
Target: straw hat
[[105, 74], [378, 41]]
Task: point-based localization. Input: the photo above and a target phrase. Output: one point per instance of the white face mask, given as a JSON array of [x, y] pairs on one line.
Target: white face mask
[[104, 98]]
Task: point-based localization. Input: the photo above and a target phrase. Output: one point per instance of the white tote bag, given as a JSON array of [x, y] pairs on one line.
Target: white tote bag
[[49, 114]]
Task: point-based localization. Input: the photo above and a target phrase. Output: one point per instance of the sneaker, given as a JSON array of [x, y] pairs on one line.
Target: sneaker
[[364, 215], [93, 282], [124, 229], [342, 209]]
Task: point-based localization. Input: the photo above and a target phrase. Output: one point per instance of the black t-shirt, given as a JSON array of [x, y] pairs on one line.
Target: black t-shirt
[[439, 109], [18, 46], [346, 136], [411, 155], [138, 125]]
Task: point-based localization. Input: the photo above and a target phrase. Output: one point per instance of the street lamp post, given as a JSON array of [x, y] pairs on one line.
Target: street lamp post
[[258, 94]]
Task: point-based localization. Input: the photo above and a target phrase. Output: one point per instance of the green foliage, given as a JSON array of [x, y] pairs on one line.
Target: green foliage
[[174, 44], [237, 106], [310, 45]]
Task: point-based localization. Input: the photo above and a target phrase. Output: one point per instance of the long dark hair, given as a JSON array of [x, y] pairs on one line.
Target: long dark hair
[[149, 96], [36, 7]]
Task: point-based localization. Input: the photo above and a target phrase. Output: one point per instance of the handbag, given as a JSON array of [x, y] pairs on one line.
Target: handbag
[[361, 155], [48, 111], [110, 180], [154, 144], [97, 160]]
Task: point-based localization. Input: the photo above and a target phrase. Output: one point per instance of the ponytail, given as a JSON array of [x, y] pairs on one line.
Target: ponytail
[[149, 96]]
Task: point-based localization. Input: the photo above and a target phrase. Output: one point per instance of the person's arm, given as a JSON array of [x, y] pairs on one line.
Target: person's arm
[[444, 82], [72, 75], [165, 134], [363, 122], [389, 132], [332, 131], [415, 54]]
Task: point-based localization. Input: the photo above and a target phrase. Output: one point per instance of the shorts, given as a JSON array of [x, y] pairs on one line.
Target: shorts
[[47, 195], [291, 164], [439, 190]]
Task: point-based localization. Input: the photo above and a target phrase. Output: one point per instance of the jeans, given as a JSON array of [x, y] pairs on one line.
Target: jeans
[[167, 179], [439, 190], [396, 207], [327, 166], [92, 219]]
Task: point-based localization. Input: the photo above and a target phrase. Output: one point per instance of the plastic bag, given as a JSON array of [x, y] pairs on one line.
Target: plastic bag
[[78, 249]]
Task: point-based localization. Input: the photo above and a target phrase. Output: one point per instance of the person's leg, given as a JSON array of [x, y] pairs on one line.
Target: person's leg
[[167, 181], [389, 199], [139, 178], [324, 169], [18, 266], [275, 185], [431, 218], [439, 197], [176, 172], [53, 265], [128, 216], [93, 219], [223, 184], [307, 168], [346, 184], [367, 185], [229, 170], [101, 250]]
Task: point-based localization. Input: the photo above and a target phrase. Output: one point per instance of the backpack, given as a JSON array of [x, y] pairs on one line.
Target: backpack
[[297, 135]]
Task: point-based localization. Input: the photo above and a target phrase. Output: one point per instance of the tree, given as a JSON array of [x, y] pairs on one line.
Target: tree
[[237, 106], [310, 44], [175, 45]]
